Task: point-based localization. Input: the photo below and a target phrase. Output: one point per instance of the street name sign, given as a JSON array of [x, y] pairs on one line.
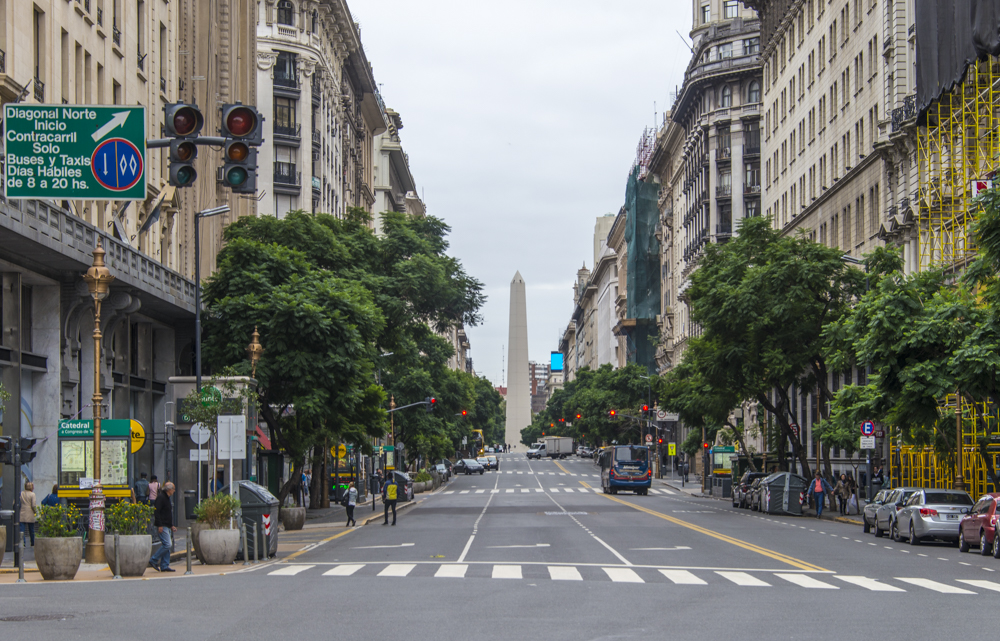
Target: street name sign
[[75, 152], [867, 443], [868, 428]]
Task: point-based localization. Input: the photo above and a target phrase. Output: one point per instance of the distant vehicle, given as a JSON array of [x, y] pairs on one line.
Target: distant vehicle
[[468, 466], [494, 463], [741, 491], [484, 461], [533, 450], [753, 495], [885, 514], [871, 509], [584, 452], [933, 514], [490, 450], [555, 447], [626, 467], [980, 524], [443, 470]]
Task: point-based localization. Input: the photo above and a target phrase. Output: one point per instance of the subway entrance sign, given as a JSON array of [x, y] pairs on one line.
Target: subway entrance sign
[[75, 152]]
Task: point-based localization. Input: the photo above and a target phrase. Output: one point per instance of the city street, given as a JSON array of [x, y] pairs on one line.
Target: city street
[[536, 550]]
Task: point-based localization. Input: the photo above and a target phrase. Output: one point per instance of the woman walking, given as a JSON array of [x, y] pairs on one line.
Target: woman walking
[[843, 492], [352, 500], [28, 505]]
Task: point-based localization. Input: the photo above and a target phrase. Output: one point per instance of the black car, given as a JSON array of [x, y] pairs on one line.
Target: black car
[[741, 491], [467, 466]]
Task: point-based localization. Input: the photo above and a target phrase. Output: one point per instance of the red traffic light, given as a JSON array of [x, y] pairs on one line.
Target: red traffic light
[[185, 121], [241, 121], [562, 420], [705, 445], [645, 408], [464, 412], [612, 413], [543, 433], [579, 416], [659, 440]]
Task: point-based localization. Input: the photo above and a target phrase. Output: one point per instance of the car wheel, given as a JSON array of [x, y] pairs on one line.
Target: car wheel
[[913, 537], [735, 503], [963, 545], [996, 545], [867, 526], [481, 472], [879, 532], [984, 549], [893, 531]]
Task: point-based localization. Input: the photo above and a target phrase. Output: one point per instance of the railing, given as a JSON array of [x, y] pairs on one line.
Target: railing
[[723, 191], [289, 131], [286, 80], [317, 183], [317, 91], [285, 173], [906, 112], [752, 149], [39, 90], [288, 33], [116, 35], [725, 153], [751, 189], [724, 229]]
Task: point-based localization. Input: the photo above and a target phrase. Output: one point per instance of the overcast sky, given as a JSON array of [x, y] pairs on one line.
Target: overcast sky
[[521, 120]]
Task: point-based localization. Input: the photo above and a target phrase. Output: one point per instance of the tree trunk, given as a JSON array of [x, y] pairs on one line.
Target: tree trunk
[[315, 491], [325, 487], [781, 418]]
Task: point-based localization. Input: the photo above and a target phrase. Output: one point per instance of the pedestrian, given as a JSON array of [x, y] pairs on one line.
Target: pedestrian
[[877, 477], [163, 521], [154, 488], [352, 500], [28, 506], [843, 492], [818, 489], [52, 500], [687, 468], [389, 493], [142, 489]]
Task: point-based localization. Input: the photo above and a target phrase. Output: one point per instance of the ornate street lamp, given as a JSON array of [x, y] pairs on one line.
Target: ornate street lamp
[[98, 279], [254, 349]]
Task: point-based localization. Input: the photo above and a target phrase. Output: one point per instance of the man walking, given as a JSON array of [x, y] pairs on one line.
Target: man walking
[[163, 521], [389, 493], [818, 489], [142, 490]]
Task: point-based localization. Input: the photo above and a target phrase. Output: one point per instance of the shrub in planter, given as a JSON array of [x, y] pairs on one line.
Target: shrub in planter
[[220, 541], [130, 521], [423, 476], [58, 548]]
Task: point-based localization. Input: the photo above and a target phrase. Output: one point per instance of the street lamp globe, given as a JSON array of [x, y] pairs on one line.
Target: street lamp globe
[[98, 277]]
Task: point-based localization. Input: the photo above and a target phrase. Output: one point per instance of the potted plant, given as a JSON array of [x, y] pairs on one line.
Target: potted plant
[[59, 546], [130, 521], [219, 541]]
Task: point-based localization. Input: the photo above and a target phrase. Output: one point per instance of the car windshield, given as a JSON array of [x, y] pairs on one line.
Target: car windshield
[[947, 498], [471, 462], [491, 458], [628, 454]]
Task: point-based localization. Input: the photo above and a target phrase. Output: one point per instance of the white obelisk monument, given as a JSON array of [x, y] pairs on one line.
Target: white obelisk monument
[[518, 385]]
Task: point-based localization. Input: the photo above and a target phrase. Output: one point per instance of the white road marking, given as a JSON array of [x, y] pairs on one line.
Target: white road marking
[[344, 570], [623, 575], [397, 569], [290, 570], [525, 490], [869, 584], [744, 579], [494, 491], [379, 547], [567, 489], [805, 581], [564, 573], [943, 588], [506, 571], [509, 490], [538, 489], [679, 547], [682, 577], [985, 585], [456, 571], [464, 492], [449, 492], [480, 491], [535, 545], [553, 489]]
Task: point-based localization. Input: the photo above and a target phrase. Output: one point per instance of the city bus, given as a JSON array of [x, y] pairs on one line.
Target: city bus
[[626, 467], [478, 444]]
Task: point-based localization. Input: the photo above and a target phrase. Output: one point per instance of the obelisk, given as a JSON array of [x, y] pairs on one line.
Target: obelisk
[[518, 385]]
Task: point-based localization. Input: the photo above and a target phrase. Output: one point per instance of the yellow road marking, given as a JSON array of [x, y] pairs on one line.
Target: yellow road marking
[[802, 565], [335, 536], [559, 465]]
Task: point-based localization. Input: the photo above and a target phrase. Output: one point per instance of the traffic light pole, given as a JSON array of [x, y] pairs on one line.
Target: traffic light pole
[[206, 213]]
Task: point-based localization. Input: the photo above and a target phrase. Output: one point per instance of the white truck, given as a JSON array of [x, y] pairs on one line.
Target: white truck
[[555, 447], [533, 450]]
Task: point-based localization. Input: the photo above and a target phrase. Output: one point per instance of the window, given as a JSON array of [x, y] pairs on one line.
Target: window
[[284, 114], [751, 46], [726, 50], [284, 70], [753, 92], [752, 177], [286, 12], [730, 9], [706, 14], [726, 97], [315, 21]]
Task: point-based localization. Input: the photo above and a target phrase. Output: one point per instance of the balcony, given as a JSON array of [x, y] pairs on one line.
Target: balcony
[[286, 179], [752, 149], [116, 35], [317, 91], [724, 229], [908, 111], [723, 191], [288, 134], [39, 90], [724, 153], [317, 137], [317, 187]]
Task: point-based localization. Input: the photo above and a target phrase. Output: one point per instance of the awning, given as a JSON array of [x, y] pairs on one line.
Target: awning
[[264, 441]]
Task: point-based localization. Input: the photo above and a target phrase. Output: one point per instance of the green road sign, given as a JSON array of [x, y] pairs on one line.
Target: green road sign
[[68, 152]]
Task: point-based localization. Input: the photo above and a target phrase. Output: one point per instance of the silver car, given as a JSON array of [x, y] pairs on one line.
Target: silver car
[[933, 514], [868, 514], [885, 514]]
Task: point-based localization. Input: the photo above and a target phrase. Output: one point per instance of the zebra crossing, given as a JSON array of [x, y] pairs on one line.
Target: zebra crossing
[[639, 574], [596, 476], [553, 490]]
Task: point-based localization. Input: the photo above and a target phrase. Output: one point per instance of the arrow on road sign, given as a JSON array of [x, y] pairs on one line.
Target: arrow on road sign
[[117, 120]]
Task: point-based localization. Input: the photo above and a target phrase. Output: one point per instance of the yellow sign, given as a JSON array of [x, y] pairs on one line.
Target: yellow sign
[[338, 451], [672, 449], [138, 435]]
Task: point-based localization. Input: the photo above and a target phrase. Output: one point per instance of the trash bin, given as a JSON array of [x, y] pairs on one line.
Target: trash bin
[[780, 493], [7, 521], [190, 502], [260, 513]]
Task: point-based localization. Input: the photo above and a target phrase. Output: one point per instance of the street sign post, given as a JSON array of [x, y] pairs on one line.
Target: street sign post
[[75, 152], [867, 443], [672, 449]]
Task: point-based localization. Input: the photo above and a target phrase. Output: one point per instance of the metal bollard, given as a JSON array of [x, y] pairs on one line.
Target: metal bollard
[[118, 565], [246, 550], [256, 546], [20, 556], [188, 545]]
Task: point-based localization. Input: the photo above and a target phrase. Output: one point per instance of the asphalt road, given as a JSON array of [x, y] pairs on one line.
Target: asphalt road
[[535, 552]]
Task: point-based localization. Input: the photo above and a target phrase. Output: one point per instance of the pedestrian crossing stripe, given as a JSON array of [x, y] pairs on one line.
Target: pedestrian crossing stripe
[[643, 574], [595, 490]]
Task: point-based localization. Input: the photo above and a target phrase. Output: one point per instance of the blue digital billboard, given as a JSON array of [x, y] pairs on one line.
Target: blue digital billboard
[[556, 364]]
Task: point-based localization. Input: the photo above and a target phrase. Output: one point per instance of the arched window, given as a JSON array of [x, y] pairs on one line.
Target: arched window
[[285, 12], [315, 21], [753, 92], [726, 97]]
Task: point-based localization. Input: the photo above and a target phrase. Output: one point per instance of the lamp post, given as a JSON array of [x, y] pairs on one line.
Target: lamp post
[[98, 279], [205, 213]]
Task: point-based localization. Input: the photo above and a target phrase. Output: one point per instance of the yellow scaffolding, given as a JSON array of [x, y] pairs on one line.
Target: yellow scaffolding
[[959, 144]]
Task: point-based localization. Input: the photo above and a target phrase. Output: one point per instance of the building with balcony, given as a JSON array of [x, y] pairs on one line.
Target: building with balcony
[[395, 189], [321, 107]]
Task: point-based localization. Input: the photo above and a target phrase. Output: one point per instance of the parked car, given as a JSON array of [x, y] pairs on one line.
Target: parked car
[[933, 514], [468, 466], [741, 491], [753, 498], [885, 514], [443, 471], [980, 525], [868, 514], [494, 463]]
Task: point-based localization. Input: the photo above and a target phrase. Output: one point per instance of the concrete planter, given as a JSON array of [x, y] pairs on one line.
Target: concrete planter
[[59, 558], [293, 518], [196, 530], [133, 553], [219, 547]]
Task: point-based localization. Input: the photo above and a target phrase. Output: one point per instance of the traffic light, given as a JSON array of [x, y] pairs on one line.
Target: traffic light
[[429, 402], [6, 450], [612, 413], [562, 420], [645, 408], [465, 413], [579, 416], [182, 121], [26, 455], [705, 445], [182, 156], [241, 127], [660, 441]]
